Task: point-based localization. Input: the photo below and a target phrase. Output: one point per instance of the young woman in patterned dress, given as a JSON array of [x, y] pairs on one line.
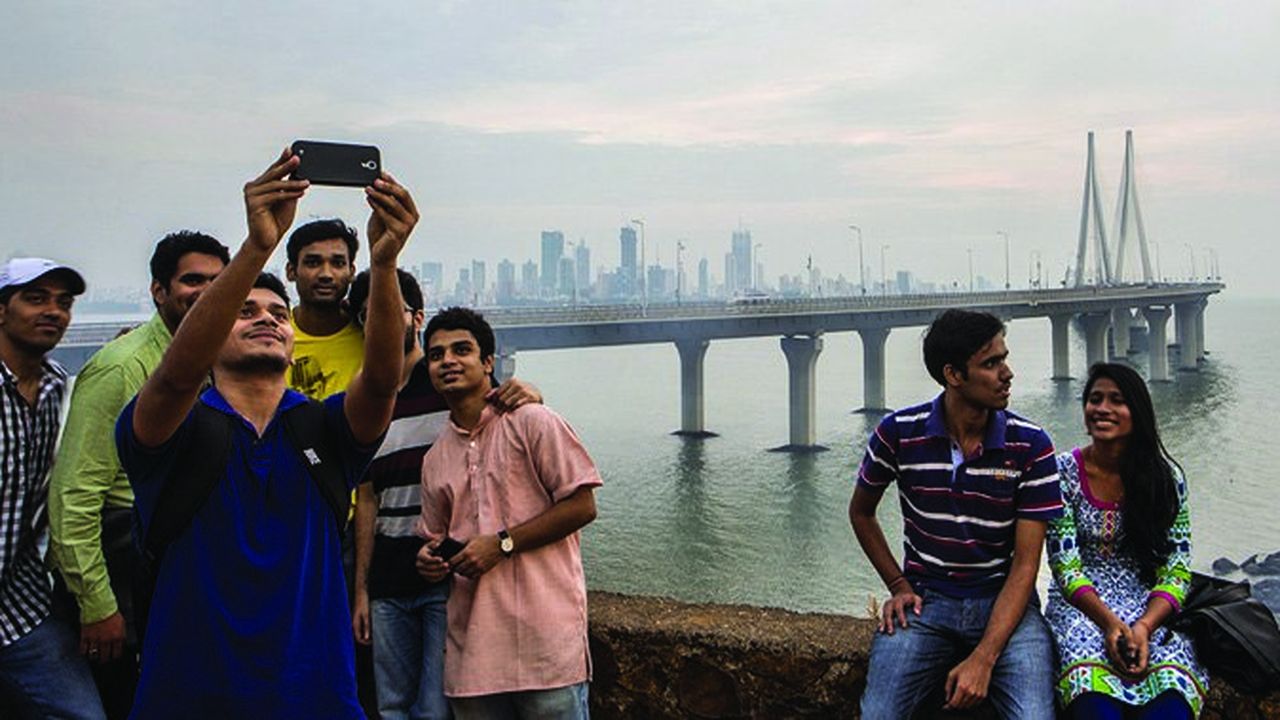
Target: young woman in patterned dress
[[1120, 557]]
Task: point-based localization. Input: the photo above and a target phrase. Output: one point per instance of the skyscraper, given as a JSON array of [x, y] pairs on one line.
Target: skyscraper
[[743, 267], [529, 279], [704, 278], [628, 269], [478, 285], [505, 289], [552, 252], [582, 268], [567, 287]]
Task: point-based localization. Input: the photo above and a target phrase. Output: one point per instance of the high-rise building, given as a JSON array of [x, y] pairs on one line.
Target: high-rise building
[[432, 278], [505, 290], [462, 292], [582, 268], [529, 279], [628, 268], [478, 285], [552, 252], [568, 279], [704, 279], [742, 266]]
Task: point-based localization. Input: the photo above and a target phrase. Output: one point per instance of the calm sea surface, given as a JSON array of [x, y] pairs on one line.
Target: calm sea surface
[[725, 520]]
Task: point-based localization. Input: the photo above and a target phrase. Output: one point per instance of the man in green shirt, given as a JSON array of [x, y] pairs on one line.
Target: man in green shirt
[[90, 501]]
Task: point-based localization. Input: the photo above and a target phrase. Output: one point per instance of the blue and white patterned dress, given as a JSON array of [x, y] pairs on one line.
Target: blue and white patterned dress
[[1085, 556]]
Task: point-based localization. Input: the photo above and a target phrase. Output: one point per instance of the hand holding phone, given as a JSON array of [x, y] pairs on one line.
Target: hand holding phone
[[341, 164], [447, 548]]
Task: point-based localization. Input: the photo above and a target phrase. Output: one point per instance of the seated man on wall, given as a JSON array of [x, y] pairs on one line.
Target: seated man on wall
[[514, 489], [977, 485], [249, 613]]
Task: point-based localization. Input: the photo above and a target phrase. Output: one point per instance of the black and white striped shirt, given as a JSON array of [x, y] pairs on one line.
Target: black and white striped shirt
[[27, 439]]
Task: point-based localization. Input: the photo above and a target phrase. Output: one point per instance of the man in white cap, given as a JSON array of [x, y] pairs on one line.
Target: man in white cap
[[42, 673]]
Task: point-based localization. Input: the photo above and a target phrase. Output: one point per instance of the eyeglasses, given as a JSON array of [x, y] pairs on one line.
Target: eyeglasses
[[363, 316]]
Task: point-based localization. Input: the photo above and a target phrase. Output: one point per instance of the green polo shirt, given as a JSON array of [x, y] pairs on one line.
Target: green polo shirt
[[87, 474]]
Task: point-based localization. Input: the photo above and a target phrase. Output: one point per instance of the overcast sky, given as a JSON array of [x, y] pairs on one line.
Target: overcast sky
[[930, 125]]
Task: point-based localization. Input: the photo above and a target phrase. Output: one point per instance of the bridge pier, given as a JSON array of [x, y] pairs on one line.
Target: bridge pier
[[1121, 321], [504, 364], [692, 407], [1184, 319], [873, 341], [1095, 337], [1061, 325], [1157, 347], [1200, 351], [802, 361]]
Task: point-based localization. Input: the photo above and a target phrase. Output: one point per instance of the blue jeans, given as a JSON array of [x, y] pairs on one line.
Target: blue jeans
[[43, 674], [408, 655], [911, 665], [566, 703]]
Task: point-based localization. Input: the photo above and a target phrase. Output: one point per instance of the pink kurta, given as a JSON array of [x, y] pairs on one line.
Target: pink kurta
[[523, 624]]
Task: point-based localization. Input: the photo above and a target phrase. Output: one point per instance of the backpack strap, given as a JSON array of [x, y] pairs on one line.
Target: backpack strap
[[204, 462], [311, 436]]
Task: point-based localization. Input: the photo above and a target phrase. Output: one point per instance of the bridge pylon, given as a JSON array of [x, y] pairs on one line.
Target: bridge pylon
[[1091, 216], [1129, 217]]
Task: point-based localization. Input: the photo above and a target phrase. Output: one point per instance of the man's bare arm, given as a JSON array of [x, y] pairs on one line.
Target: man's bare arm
[[371, 394], [862, 515], [271, 200], [366, 515], [967, 683]]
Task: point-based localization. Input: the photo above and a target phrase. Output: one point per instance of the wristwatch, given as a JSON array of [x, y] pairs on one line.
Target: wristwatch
[[505, 543]]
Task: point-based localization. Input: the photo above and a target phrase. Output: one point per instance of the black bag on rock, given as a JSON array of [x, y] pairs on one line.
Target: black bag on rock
[[1235, 635]]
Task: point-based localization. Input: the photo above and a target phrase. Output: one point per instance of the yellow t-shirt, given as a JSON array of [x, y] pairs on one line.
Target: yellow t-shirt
[[324, 365]]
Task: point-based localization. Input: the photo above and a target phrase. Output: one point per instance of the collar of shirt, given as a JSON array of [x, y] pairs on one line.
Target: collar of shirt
[[51, 373], [993, 439], [486, 416]]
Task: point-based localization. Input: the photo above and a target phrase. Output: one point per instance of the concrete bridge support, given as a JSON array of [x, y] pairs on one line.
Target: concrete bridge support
[[802, 361], [1095, 337], [1121, 321], [873, 340], [504, 364], [1200, 351], [692, 408], [1188, 345], [1061, 346], [1157, 346]]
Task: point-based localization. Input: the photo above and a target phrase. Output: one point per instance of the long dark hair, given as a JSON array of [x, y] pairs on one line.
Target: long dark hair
[[1146, 471]]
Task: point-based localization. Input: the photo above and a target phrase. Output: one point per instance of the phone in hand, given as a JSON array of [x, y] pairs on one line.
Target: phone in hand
[[448, 548], [341, 164]]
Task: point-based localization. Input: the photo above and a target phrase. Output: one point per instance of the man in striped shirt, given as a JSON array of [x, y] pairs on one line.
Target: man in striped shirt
[[42, 673], [977, 485]]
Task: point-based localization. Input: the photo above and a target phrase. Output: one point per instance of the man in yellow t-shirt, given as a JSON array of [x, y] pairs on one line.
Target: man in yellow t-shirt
[[328, 347]]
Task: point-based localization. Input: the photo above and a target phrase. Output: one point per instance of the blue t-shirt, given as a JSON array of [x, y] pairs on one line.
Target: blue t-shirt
[[249, 616]]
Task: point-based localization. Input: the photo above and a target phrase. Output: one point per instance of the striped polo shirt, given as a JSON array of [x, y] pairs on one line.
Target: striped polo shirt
[[958, 512]]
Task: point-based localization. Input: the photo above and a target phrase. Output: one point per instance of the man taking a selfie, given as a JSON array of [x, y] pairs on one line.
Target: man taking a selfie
[[249, 612]]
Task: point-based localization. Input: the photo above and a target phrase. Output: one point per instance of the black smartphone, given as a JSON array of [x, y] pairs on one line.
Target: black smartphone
[[448, 548], [329, 163]]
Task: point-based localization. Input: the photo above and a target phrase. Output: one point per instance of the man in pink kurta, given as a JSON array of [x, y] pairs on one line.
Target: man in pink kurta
[[515, 488]]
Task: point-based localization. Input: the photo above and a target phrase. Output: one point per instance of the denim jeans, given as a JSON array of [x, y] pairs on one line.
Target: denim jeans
[[43, 675], [566, 703], [408, 655], [911, 665]]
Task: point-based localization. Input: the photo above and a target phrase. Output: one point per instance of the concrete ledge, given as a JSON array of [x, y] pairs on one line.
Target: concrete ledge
[[660, 658]]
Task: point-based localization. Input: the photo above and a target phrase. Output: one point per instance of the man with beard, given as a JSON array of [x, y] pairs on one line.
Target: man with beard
[[90, 501], [41, 672], [249, 615], [328, 347]]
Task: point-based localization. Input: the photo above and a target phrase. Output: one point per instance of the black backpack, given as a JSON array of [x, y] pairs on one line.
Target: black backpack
[[206, 454], [1235, 635]]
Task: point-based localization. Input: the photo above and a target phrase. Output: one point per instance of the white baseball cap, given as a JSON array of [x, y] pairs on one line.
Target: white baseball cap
[[23, 271]]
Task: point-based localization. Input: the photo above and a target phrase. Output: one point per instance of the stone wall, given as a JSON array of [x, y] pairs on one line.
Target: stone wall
[[658, 658]]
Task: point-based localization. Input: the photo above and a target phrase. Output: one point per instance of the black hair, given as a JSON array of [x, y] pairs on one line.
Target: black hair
[[460, 318], [1146, 472], [171, 248], [270, 282], [359, 292], [318, 231], [953, 338]]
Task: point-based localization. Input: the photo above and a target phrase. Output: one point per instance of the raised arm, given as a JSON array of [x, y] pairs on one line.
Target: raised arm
[[270, 200], [372, 392]]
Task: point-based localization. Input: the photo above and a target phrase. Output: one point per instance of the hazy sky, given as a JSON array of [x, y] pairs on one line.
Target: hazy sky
[[930, 125]]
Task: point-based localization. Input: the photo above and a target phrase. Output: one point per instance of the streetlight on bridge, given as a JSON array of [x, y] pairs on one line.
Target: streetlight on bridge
[[1006, 257], [862, 280], [1191, 254]]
